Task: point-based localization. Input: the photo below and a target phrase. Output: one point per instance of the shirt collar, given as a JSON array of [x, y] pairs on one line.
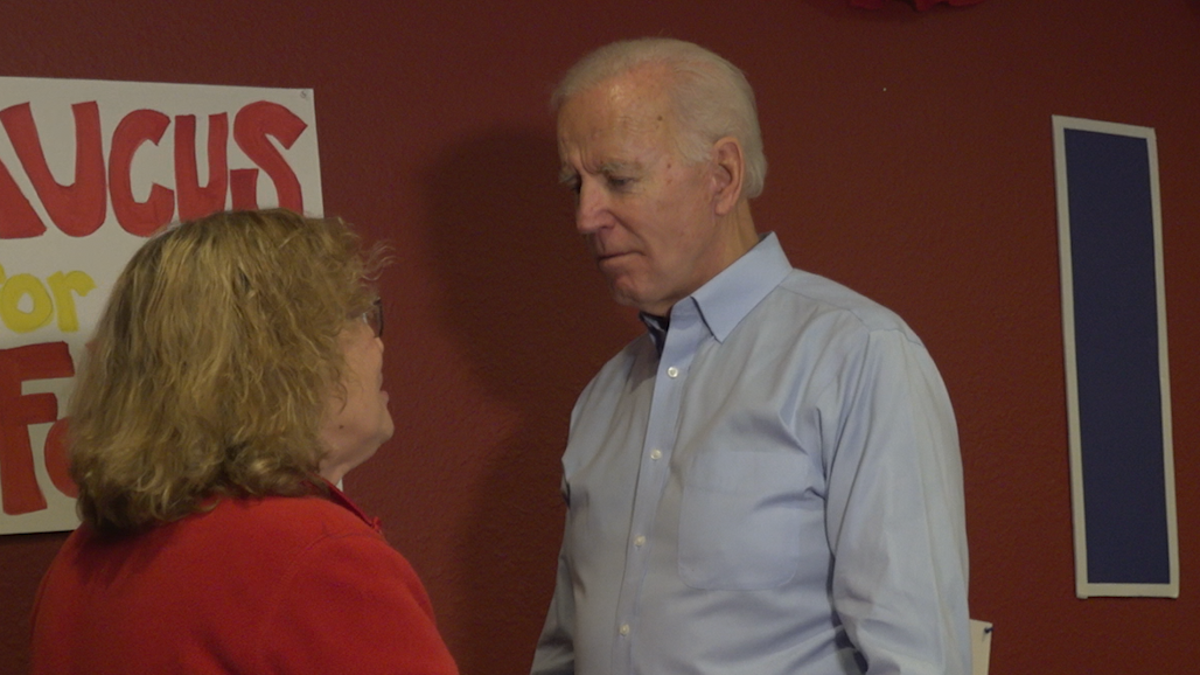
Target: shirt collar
[[338, 497], [728, 297], [657, 325]]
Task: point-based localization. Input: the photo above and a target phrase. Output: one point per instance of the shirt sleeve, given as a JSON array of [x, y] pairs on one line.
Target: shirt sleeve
[[352, 604], [555, 653], [895, 511]]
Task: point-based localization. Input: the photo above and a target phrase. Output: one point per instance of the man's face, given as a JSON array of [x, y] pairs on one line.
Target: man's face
[[646, 212]]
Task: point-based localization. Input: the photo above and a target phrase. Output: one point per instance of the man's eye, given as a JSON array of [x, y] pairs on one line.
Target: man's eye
[[619, 182]]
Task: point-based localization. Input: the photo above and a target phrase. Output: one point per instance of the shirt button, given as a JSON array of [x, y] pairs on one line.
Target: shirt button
[[624, 630], [672, 372], [640, 541], [656, 454]]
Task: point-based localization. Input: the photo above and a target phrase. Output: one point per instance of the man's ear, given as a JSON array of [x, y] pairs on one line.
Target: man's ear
[[729, 170]]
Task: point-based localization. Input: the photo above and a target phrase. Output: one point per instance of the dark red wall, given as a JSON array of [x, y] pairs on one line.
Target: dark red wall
[[911, 158]]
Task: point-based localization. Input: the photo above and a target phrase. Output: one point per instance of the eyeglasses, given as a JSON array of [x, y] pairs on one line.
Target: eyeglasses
[[373, 317]]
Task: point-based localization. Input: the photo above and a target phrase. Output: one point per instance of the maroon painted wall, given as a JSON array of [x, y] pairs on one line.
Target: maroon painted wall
[[911, 158]]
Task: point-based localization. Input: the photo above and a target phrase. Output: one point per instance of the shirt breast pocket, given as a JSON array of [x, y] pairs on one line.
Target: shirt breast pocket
[[739, 520]]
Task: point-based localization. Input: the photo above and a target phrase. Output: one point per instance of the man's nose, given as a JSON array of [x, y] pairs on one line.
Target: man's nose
[[590, 209]]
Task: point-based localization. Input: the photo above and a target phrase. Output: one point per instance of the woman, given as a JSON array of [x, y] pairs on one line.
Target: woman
[[234, 377]]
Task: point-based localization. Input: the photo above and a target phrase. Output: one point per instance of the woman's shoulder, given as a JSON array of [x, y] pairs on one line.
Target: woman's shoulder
[[300, 518], [278, 536]]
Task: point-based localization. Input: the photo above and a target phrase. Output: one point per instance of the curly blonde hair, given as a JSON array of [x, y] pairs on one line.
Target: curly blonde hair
[[213, 364]]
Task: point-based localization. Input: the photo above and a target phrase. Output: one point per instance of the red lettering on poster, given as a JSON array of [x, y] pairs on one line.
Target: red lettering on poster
[[17, 411], [138, 218], [243, 186], [260, 129], [18, 220], [196, 201], [77, 209], [251, 128]]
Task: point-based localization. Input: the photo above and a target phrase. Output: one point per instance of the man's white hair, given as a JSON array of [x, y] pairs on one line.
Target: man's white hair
[[710, 96]]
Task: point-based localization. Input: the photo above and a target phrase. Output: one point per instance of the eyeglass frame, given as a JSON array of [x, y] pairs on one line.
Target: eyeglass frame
[[373, 317]]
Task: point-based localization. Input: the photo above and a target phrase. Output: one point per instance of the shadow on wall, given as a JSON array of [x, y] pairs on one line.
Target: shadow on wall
[[536, 321]]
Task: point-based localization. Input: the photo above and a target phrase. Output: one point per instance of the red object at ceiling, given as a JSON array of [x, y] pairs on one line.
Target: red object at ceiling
[[921, 5]]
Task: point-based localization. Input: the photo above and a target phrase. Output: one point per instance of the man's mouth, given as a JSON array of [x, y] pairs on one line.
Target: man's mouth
[[604, 257]]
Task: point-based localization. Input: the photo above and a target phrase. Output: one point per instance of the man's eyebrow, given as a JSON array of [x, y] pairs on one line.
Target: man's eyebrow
[[609, 168], [567, 174]]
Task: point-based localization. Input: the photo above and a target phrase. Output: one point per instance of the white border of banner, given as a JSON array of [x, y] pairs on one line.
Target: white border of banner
[[1084, 588]]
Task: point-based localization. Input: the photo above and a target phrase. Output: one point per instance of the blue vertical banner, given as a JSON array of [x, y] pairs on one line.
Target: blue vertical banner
[[1115, 343]]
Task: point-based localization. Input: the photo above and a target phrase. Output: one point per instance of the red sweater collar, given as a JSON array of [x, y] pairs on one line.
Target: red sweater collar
[[338, 497]]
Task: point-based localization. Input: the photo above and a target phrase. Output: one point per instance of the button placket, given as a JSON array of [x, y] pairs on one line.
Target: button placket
[[684, 338]]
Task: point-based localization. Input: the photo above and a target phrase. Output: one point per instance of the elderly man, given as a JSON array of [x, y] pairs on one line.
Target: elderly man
[[769, 481]]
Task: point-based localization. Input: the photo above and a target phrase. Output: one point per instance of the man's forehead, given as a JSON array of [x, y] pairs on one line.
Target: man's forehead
[[635, 101], [618, 147]]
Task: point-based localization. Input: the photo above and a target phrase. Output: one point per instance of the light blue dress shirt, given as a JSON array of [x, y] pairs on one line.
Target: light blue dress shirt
[[780, 493]]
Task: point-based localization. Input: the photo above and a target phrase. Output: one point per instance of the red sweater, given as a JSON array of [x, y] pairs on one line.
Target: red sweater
[[277, 585]]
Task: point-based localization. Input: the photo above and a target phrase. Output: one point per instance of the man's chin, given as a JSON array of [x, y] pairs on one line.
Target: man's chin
[[628, 294], [624, 297]]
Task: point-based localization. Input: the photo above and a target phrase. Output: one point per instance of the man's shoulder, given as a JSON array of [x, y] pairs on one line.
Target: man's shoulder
[[639, 347], [631, 362], [813, 296]]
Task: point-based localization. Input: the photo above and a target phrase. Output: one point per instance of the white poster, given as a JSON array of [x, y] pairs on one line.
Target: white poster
[[88, 170]]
